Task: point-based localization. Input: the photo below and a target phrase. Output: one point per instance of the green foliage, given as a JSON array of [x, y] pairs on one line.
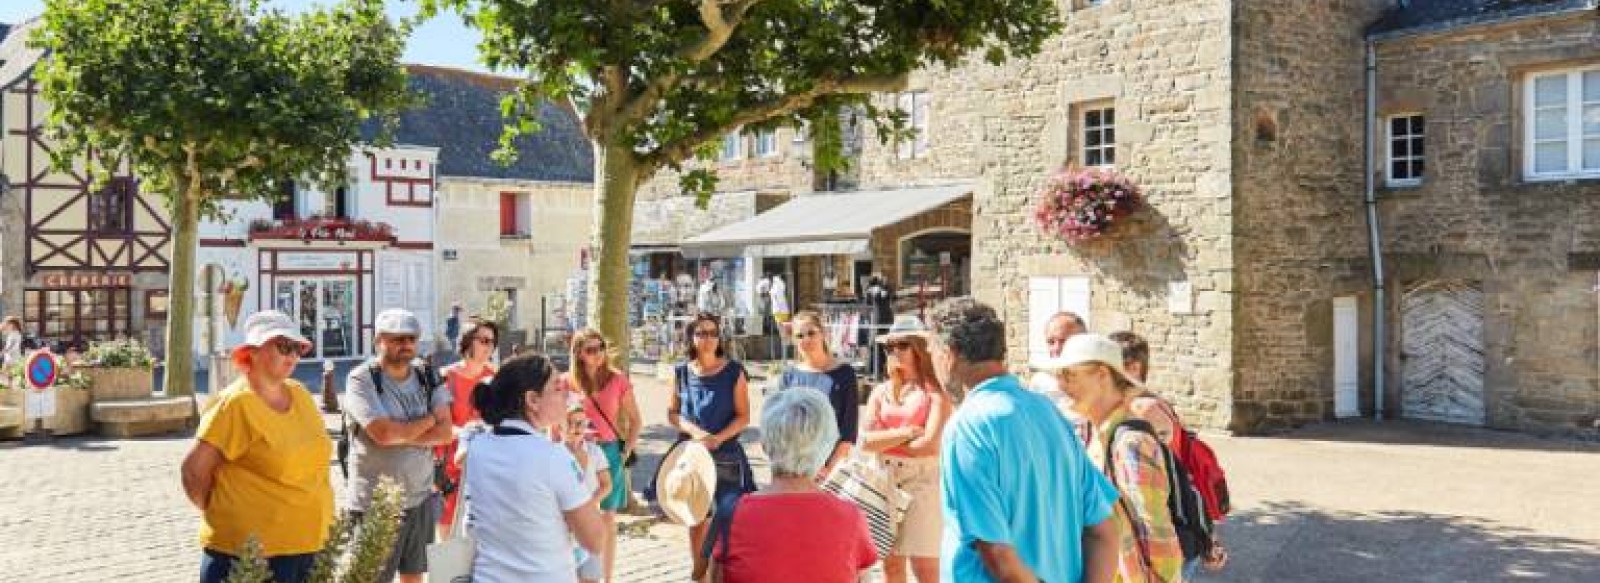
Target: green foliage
[[359, 548], [213, 97], [120, 354], [665, 77]]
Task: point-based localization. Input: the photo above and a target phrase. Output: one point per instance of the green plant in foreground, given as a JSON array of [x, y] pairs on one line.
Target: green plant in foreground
[[120, 354], [355, 552]]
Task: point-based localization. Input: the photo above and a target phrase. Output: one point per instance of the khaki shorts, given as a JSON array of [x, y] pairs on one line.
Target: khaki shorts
[[922, 531]]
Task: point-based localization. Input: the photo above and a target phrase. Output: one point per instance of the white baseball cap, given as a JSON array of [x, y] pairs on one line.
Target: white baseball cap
[[1084, 349], [261, 327], [398, 322]]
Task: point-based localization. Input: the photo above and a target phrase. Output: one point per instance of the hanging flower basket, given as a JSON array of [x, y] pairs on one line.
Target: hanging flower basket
[[1082, 204]]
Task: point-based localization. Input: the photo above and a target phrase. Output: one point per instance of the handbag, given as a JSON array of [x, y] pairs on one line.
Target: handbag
[[632, 457], [862, 481], [450, 560]]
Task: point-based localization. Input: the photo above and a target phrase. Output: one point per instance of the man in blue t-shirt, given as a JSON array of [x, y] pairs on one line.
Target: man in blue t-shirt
[[1022, 502]]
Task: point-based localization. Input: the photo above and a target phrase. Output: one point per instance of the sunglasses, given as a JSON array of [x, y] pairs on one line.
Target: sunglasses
[[401, 339], [285, 347], [897, 346], [594, 349], [706, 334], [806, 334], [485, 340]]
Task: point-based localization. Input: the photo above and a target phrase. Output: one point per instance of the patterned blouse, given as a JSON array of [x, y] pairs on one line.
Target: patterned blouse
[[1148, 549]]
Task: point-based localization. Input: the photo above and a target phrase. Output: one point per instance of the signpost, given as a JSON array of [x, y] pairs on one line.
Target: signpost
[[40, 371]]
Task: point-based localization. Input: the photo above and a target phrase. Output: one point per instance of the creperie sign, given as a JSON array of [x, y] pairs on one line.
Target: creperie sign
[[86, 280]]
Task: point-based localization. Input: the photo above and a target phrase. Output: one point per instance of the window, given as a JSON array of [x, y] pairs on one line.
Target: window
[[1099, 145], [515, 215], [1405, 150], [733, 146], [915, 105], [111, 208], [766, 144], [1562, 117], [284, 204]]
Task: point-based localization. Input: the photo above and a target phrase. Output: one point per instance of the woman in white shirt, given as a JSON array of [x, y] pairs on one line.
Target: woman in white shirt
[[525, 495], [11, 341]]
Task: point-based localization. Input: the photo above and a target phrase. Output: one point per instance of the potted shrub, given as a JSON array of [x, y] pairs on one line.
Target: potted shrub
[[119, 369], [72, 402]]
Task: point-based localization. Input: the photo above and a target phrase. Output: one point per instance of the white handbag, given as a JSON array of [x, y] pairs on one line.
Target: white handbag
[[450, 560]]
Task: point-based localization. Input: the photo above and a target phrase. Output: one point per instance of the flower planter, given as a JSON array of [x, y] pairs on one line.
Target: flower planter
[[71, 418], [115, 383]]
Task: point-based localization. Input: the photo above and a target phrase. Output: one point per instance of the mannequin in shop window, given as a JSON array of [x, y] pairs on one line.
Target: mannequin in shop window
[[709, 298]]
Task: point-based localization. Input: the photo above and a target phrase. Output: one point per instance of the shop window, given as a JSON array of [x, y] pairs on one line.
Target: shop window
[[79, 316], [1405, 150], [1562, 120], [111, 207]]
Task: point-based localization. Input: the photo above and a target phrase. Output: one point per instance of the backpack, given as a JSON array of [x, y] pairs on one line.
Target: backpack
[[1189, 516], [1205, 472], [349, 429]]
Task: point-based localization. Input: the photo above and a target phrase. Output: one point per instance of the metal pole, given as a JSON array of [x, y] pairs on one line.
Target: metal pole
[[1379, 306]]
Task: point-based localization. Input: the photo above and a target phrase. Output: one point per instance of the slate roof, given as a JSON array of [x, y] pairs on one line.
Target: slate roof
[[461, 117], [1424, 15], [4, 29]]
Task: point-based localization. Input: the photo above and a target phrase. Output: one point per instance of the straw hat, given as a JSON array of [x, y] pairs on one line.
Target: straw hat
[[1083, 349], [904, 327], [686, 483]]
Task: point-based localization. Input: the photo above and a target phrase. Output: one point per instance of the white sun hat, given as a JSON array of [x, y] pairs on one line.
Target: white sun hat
[[1084, 349], [261, 327]]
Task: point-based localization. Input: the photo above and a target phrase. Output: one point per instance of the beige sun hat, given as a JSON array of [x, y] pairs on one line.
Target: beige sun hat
[[904, 327], [686, 483], [1084, 349]]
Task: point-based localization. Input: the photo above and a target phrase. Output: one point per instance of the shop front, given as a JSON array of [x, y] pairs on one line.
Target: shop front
[[72, 309], [827, 249]]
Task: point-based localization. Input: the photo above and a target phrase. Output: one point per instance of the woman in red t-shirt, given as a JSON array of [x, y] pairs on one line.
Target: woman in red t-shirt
[[792, 531], [476, 345]]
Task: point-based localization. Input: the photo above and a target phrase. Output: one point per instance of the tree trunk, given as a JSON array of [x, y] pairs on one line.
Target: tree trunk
[[179, 375], [616, 184]]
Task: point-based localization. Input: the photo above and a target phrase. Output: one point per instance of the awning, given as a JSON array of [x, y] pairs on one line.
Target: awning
[[822, 224]]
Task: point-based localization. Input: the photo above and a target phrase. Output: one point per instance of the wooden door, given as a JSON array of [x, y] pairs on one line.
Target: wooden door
[[1346, 358], [1442, 347]]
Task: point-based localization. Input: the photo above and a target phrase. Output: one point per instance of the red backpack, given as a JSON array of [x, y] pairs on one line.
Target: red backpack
[[1204, 470]]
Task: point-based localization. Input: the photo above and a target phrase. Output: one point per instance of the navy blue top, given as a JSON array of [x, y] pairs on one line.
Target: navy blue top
[[708, 401], [841, 388]]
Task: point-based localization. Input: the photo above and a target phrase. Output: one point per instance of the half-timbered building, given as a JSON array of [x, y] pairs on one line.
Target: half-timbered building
[[84, 260]]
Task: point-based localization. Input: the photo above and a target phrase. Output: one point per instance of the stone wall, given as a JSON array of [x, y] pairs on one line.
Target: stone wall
[[787, 171], [669, 221], [562, 223], [1300, 236], [955, 215], [1531, 246], [1166, 67]]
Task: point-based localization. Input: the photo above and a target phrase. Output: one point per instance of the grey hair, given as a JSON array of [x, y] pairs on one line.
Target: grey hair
[[798, 432], [970, 330], [1074, 318]]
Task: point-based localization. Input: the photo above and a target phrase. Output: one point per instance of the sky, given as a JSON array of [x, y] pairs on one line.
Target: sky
[[445, 40]]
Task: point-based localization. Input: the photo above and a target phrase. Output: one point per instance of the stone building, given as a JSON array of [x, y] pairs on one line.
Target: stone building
[[1252, 274]]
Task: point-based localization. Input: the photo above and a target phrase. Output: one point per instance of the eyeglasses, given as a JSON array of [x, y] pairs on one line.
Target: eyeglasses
[[484, 340], [594, 349], [285, 347], [400, 339], [706, 334], [897, 346]]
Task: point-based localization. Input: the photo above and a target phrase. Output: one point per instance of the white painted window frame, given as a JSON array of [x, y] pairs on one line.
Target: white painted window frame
[[1575, 138], [1084, 130], [916, 104], [1411, 156], [766, 144], [736, 139]]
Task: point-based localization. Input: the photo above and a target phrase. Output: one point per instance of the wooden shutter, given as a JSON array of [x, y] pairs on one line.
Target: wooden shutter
[[508, 213]]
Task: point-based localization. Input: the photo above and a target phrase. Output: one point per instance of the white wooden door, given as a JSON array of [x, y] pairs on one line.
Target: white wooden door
[[1346, 358], [1048, 296], [1443, 370]]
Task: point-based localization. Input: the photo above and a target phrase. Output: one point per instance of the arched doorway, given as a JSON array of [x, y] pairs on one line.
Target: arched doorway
[[936, 262]]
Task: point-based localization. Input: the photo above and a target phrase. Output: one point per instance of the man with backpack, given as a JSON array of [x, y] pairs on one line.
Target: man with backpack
[[394, 419], [1192, 456]]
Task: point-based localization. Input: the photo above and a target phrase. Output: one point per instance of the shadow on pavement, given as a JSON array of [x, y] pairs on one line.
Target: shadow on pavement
[[1408, 432], [1289, 541]]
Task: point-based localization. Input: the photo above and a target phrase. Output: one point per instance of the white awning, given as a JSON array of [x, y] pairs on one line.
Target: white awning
[[822, 224]]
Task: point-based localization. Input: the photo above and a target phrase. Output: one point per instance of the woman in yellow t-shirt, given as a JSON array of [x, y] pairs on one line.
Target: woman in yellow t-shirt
[[259, 465]]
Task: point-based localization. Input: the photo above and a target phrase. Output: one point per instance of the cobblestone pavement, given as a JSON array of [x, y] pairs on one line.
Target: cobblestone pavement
[[1351, 502]]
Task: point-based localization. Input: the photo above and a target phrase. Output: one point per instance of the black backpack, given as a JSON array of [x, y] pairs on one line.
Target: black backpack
[[348, 429], [1188, 509]]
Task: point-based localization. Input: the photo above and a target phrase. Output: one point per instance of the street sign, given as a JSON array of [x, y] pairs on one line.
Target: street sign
[[40, 371]]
